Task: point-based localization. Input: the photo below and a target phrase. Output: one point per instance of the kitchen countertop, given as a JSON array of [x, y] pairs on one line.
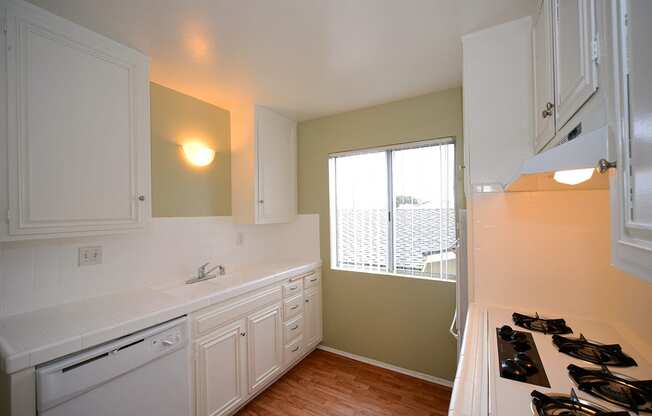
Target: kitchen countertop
[[33, 338]]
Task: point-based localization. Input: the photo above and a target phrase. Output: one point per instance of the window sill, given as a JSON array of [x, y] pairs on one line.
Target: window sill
[[398, 275]]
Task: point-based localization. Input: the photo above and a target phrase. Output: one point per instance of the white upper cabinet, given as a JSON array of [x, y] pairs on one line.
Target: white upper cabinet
[[565, 65], [263, 167], [576, 56], [78, 129], [276, 150], [632, 196], [544, 98]]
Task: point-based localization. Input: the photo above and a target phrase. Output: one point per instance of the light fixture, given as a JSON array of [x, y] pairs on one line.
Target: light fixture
[[198, 154], [573, 177]]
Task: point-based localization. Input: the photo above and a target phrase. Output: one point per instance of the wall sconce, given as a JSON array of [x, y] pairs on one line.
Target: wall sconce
[[198, 154], [573, 177]]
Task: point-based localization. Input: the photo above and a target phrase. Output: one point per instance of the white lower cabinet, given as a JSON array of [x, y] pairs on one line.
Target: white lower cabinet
[[220, 370], [242, 345], [312, 314], [264, 344]]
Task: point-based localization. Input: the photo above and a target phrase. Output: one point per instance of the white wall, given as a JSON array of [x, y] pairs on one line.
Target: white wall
[[550, 251], [37, 274]]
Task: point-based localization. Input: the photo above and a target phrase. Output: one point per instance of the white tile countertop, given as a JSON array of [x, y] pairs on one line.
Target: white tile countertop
[[32, 338]]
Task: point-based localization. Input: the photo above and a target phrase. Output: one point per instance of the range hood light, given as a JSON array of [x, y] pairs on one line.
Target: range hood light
[[573, 177]]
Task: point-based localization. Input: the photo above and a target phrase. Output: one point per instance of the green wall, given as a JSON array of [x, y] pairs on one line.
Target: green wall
[[180, 189], [397, 320]]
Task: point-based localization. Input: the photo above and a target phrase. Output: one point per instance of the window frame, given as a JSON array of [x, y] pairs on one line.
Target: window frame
[[388, 150]]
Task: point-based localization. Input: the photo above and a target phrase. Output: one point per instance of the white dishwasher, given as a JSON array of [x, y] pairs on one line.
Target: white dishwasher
[[146, 373]]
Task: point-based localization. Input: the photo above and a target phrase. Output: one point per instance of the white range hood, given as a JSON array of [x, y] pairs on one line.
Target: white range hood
[[536, 173]]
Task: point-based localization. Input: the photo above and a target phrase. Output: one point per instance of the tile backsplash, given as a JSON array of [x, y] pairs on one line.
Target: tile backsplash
[[38, 274]]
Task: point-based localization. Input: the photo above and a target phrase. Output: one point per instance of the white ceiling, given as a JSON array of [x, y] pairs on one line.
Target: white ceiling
[[305, 58]]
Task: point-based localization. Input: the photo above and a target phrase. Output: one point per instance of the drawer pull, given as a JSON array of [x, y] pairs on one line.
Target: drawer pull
[[294, 327], [293, 307], [296, 349], [293, 287], [313, 280]]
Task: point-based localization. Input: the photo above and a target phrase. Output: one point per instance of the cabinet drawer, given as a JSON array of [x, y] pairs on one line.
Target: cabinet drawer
[[216, 315], [292, 329], [292, 288], [312, 280], [293, 351], [292, 307]]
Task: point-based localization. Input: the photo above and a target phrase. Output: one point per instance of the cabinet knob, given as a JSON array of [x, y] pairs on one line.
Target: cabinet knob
[[548, 111], [243, 334], [604, 165], [260, 201], [141, 197]]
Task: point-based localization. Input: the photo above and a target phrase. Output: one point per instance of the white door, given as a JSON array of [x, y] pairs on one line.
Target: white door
[[576, 49], [313, 317], [264, 345], [78, 128], [220, 370], [276, 141], [632, 197], [544, 100]]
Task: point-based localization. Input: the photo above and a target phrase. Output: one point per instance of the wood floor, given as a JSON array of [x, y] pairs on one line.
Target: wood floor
[[328, 384]]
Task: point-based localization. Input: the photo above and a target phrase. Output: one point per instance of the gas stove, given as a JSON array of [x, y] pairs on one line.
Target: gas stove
[[532, 371]]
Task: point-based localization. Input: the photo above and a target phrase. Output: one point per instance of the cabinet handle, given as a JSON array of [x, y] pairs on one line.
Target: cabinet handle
[[294, 327], [295, 349], [307, 300], [313, 280], [260, 201], [243, 334], [293, 287], [294, 307], [548, 111], [141, 198]]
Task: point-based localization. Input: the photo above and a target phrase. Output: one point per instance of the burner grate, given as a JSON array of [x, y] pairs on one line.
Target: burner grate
[[593, 352], [567, 405], [538, 324], [617, 389]]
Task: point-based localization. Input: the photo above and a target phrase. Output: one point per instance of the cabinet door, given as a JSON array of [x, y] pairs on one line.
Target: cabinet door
[[576, 56], [220, 370], [632, 208], [276, 151], [264, 344], [312, 313], [544, 117], [78, 128]]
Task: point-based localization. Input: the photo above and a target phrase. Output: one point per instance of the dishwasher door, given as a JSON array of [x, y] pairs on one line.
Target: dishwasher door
[[146, 373]]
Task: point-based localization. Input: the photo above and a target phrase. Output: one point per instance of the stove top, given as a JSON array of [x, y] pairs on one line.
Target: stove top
[[538, 324], [509, 396], [593, 352], [616, 388], [568, 405]]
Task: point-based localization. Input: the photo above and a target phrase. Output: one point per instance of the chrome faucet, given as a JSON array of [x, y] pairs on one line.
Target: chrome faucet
[[203, 274]]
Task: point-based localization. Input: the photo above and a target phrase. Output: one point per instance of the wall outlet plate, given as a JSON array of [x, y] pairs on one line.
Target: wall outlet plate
[[89, 256]]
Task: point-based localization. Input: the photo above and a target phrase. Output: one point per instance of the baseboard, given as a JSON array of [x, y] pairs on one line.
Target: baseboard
[[412, 373]]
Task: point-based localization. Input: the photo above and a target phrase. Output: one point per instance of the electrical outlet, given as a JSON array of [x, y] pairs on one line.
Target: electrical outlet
[[89, 256]]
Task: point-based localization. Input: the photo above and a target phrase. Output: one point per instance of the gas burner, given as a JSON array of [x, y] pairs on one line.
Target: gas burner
[[593, 352], [536, 323], [567, 405], [618, 389]]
